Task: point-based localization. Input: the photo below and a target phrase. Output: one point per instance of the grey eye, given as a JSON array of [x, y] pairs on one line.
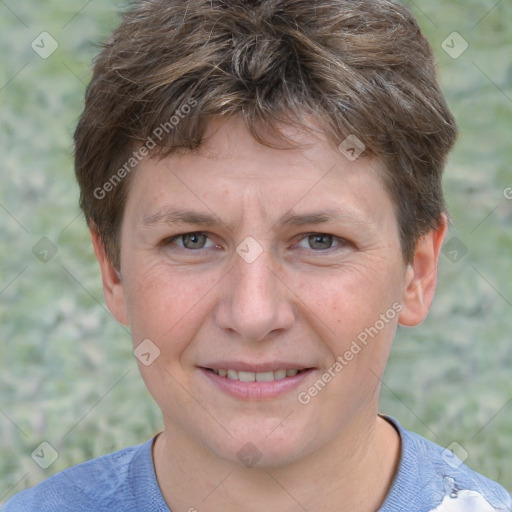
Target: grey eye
[[320, 241], [193, 240]]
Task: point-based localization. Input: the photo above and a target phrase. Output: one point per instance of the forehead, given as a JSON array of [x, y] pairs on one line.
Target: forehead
[[233, 174]]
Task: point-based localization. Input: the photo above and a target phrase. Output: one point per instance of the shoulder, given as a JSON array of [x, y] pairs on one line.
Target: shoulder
[[103, 482], [431, 478]]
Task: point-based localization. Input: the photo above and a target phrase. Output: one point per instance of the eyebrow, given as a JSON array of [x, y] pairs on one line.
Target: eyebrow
[[179, 216]]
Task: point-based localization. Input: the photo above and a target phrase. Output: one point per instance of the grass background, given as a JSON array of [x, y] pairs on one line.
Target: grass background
[[67, 373]]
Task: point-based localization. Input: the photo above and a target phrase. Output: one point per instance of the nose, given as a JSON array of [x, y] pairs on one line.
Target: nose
[[256, 303]]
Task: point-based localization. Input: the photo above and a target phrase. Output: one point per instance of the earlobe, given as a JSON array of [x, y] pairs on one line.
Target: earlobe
[[113, 288], [421, 276]]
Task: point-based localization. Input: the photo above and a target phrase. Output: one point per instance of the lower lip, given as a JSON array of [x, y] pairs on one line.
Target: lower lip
[[257, 390]]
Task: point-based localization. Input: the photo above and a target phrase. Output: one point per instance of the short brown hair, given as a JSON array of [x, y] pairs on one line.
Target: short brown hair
[[361, 67]]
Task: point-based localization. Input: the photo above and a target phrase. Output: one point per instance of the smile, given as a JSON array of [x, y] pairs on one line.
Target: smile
[[256, 377], [250, 385]]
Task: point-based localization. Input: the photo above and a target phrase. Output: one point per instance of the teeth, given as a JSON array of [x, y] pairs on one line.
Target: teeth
[[264, 376], [246, 376], [280, 374], [256, 377]]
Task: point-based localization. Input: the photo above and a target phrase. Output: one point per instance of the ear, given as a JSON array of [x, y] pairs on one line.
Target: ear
[[421, 276], [113, 288]]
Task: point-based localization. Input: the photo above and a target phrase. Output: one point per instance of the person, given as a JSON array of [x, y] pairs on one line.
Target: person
[[262, 184]]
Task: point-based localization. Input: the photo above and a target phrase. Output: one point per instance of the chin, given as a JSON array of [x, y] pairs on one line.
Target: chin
[[256, 448]]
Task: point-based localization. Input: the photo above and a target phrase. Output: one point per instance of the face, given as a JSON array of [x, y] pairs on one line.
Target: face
[[253, 261]]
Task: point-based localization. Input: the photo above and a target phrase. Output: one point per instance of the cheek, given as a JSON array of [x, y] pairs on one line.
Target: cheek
[[345, 310], [358, 330], [164, 306], [348, 299], [167, 307]]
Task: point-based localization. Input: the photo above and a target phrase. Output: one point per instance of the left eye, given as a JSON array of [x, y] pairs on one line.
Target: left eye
[[191, 241], [320, 241]]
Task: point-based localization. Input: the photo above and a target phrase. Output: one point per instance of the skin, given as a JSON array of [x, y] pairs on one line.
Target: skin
[[296, 302]]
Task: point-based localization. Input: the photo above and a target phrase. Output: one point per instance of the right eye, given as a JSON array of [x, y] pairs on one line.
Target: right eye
[[190, 241]]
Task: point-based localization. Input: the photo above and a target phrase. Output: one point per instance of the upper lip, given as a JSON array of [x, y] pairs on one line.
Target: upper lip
[[255, 367]]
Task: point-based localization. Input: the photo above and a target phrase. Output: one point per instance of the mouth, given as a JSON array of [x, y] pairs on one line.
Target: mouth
[[249, 384], [247, 376]]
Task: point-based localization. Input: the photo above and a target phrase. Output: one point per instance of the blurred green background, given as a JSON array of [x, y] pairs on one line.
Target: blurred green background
[[67, 372]]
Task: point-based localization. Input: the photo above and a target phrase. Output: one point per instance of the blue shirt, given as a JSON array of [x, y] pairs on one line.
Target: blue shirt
[[429, 479]]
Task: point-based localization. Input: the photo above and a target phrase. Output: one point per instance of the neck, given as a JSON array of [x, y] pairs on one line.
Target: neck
[[352, 472]]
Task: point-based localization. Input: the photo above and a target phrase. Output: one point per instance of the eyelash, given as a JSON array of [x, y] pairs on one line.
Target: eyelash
[[340, 241]]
